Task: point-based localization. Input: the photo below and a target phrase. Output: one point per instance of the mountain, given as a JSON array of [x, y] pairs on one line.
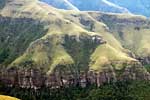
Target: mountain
[[41, 27], [38, 40], [141, 7], [98, 5], [62, 4], [132, 31], [88, 5]]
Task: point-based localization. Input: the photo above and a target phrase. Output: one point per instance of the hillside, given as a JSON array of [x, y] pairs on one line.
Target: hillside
[[38, 50], [131, 31], [35, 36], [141, 7]]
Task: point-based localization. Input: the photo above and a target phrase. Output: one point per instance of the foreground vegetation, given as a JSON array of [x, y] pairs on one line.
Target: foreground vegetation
[[2, 97], [135, 90]]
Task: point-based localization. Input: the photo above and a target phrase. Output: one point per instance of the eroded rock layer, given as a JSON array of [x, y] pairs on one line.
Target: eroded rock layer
[[35, 78]]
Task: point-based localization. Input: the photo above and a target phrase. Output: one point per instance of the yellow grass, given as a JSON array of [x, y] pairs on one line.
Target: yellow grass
[[62, 22], [2, 97]]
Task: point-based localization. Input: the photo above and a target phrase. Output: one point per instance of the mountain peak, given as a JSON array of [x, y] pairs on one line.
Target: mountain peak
[[62, 4]]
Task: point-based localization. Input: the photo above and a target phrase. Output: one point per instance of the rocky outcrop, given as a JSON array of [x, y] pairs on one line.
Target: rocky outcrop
[[144, 60], [135, 72], [30, 78], [34, 78]]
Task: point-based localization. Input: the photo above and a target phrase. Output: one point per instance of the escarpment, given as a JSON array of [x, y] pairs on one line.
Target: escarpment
[[65, 77]]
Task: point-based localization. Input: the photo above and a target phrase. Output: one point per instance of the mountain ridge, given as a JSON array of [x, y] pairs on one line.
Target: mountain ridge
[[140, 6], [64, 4], [79, 5], [113, 6]]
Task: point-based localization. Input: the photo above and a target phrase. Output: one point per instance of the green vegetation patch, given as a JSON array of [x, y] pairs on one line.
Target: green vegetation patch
[[121, 90], [80, 50], [15, 36]]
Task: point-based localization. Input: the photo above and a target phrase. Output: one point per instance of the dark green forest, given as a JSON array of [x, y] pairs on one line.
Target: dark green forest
[[121, 90]]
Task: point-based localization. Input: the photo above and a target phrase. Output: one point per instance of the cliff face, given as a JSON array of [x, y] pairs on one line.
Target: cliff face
[[35, 78]]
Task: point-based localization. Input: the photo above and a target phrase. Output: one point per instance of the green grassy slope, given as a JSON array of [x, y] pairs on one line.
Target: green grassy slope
[[40, 33], [106, 53], [132, 31], [15, 36]]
